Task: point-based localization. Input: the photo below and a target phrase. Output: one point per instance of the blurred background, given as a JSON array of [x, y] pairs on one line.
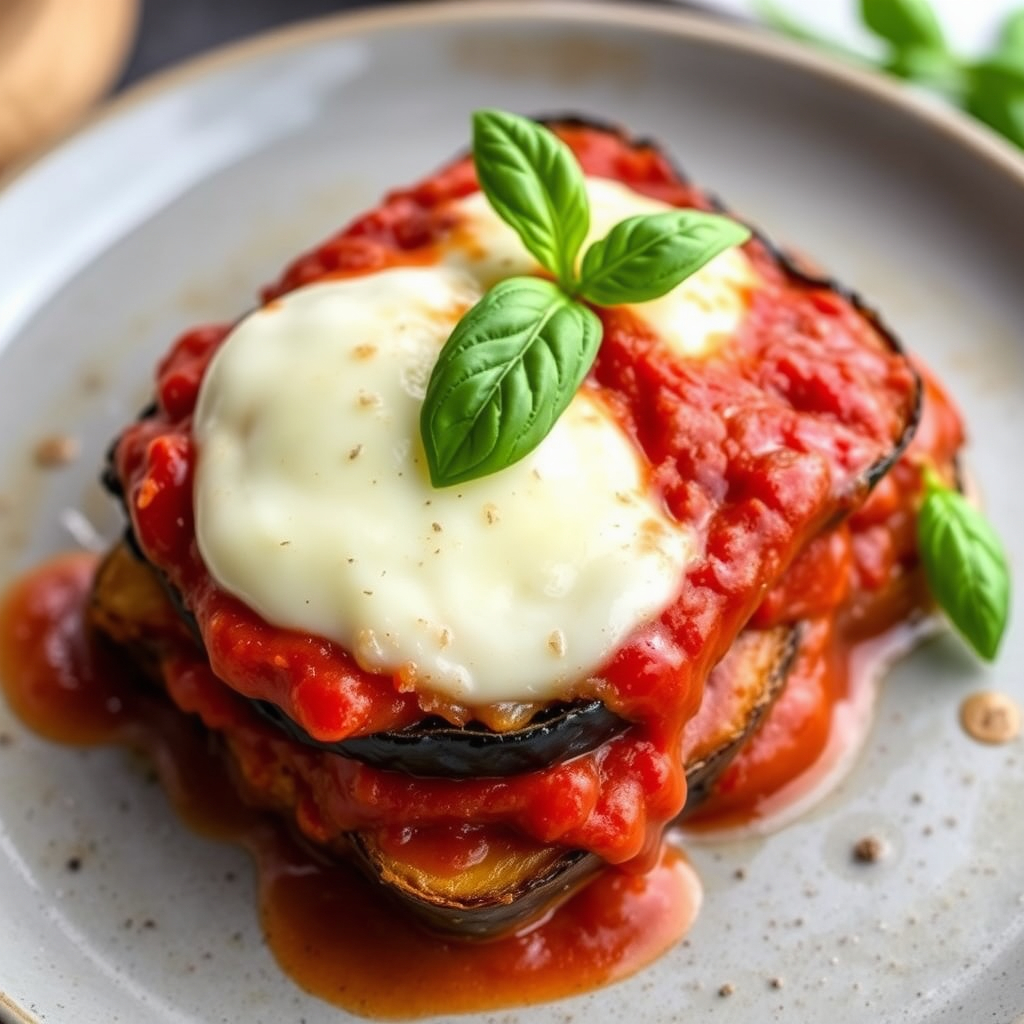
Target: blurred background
[[59, 58]]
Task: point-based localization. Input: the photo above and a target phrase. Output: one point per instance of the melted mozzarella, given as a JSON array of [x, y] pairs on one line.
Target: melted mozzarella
[[314, 507], [693, 319]]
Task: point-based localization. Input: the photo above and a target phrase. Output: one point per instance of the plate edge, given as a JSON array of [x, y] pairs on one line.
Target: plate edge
[[733, 35], [12, 1013]]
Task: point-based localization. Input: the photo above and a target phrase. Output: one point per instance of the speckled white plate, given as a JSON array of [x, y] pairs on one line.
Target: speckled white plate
[[175, 205]]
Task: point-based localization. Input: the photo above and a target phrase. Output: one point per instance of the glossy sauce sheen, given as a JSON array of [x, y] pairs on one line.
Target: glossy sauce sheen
[[330, 931], [755, 446], [858, 589], [734, 476]]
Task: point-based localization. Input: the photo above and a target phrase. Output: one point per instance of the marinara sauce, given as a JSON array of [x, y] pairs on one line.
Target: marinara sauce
[[757, 447], [765, 448], [332, 931]]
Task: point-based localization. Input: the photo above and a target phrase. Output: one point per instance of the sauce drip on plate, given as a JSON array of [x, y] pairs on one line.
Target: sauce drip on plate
[[328, 928]]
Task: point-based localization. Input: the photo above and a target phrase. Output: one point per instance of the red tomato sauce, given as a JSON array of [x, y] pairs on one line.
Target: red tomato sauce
[[853, 587], [756, 447], [331, 931], [764, 448]]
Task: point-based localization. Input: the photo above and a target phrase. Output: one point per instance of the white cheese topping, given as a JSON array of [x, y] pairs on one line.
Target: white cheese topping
[[314, 507], [694, 318]]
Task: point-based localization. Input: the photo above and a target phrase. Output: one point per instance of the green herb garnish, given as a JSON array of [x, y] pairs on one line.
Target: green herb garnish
[[965, 564], [990, 87], [906, 24], [536, 185], [515, 360], [508, 371]]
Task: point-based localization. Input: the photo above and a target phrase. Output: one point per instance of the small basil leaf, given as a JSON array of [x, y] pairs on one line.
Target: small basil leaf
[[935, 69], [782, 21], [508, 371], [1010, 46], [644, 257], [534, 182], [965, 565], [904, 23], [995, 95], [998, 77]]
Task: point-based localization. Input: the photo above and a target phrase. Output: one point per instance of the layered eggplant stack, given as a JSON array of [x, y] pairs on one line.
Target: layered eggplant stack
[[519, 881], [779, 444]]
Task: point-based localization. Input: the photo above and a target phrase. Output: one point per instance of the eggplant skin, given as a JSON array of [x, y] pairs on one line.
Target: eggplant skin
[[743, 686], [134, 605], [435, 749], [738, 695], [480, 905], [131, 607]]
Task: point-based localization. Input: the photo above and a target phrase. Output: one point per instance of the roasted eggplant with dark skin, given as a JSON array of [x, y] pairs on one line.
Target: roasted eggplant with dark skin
[[435, 749], [507, 889], [516, 881], [507, 892], [134, 608], [130, 605], [737, 696]]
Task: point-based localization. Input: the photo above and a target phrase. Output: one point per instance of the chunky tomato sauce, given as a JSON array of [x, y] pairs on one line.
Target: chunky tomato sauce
[[768, 448], [758, 447], [852, 588], [334, 933]]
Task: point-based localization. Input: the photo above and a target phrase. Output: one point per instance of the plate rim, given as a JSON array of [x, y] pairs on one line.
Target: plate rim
[[652, 15], [947, 123], [10, 1011]]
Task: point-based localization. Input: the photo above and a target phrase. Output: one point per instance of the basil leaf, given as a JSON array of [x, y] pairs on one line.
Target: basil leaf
[[995, 95], [1011, 38], [534, 182], [965, 565], [904, 23], [782, 21], [508, 371], [934, 69], [644, 257]]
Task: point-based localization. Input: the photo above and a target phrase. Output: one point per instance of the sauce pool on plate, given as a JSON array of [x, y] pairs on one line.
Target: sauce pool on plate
[[761, 419], [332, 933]]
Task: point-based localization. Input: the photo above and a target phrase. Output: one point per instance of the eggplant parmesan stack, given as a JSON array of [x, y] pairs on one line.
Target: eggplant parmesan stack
[[484, 693]]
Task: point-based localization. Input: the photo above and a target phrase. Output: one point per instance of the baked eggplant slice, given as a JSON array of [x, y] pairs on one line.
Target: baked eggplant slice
[[516, 881], [507, 889], [738, 694], [434, 748], [130, 605]]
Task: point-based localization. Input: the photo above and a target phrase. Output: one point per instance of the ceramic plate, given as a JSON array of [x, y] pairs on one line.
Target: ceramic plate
[[173, 207]]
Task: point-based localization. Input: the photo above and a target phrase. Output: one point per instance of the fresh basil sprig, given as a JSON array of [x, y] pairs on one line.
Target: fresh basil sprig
[[508, 371], [904, 23], [515, 360], [965, 565], [990, 87], [646, 256], [536, 186]]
